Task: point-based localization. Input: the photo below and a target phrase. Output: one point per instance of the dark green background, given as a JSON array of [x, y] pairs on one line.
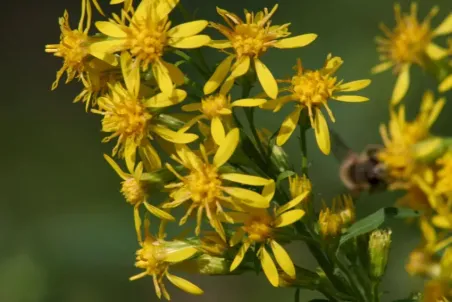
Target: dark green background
[[66, 234]]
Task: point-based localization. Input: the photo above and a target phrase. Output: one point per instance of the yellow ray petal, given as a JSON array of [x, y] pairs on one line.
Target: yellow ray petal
[[162, 77], [382, 67], [401, 86], [443, 222], [239, 257], [163, 8], [240, 67], [137, 222], [130, 73], [190, 42], [322, 135], [269, 191], [248, 102], [217, 130], [218, 76], [162, 100], [248, 197], [109, 46], [158, 212], [150, 157], [295, 42], [142, 11], [184, 285], [288, 218], [245, 179], [172, 136], [293, 203], [350, 98], [116, 167], [288, 126], [237, 238], [428, 231], [436, 110], [130, 154], [177, 255], [283, 259], [227, 148], [187, 29], [176, 75], [446, 84], [220, 44], [445, 27], [355, 85], [269, 267], [436, 52], [110, 29], [192, 107], [266, 79]]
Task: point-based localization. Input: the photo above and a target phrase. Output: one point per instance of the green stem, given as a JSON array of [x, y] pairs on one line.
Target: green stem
[[303, 126], [190, 60], [375, 292]]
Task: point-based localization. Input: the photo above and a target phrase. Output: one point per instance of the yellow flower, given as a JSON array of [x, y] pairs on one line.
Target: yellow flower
[[134, 191], [157, 255], [73, 46], [312, 89], [127, 4], [218, 109], [148, 36], [260, 231], [410, 42], [207, 187], [444, 174], [127, 117], [436, 291], [299, 185], [250, 39], [397, 153], [330, 221]]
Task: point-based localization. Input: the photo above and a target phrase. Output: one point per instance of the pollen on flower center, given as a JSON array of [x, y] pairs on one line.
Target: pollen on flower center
[[204, 185], [147, 43], [132, 191], [212, 105], [258, 227], [249, 40], [150, 258], [313, 88], [410, 42]]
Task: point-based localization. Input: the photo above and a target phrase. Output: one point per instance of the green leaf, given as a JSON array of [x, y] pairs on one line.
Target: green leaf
[[375, 220], [283, 176]]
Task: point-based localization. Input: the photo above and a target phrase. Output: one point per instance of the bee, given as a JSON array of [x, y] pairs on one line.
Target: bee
[[359, 171]]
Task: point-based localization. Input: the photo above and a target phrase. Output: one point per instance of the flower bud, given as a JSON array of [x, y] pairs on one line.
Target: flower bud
[[345, 209], [379, 245], [330, 223], [429, 149]]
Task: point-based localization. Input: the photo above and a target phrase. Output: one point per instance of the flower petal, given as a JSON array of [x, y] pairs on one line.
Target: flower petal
[[266, 79], [237, 237], [131, 73], [288, 218], [110, 29], [446, 84], [293, 203], [382, 67], [130, 151], [401, 86], [219, 75], [98, 49], [269, 267], [220, 44], [172, 136], [227, 148], [248, 197], [162, 100], [436, 52], [444, 222], [176, 75], [187, 29], [190, 42], [240, 255], [183, 284], [283, 259], [355, 85], [295, 42], [150, 157], [137, 222], [288, 126], [180, 254], [445, 27], [163, 8], [217, 130], [240, 67], [322, 135], [158, 212], [269, 190], [116, 167], [162, 77], [248, 102], [350, 98], [192, 107], [245, 179]]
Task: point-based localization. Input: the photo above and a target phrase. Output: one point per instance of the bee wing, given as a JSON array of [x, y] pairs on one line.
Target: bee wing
[[339, 148]]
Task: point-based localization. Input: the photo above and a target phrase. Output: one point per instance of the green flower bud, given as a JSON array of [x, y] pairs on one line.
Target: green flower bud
[[379, 245]]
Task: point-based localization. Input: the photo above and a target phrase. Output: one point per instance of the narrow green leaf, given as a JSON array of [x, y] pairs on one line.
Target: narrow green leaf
[[297, 295], [283, 176], [375, 220]]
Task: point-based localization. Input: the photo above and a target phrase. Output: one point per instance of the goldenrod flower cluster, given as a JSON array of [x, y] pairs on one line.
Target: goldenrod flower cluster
[[182, 140]]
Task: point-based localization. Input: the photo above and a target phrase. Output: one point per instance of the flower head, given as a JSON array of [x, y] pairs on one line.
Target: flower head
[[312, 89], [249, 39], [217, 108], [410, 42], [148, 35], [299, 185], [208, 188], [127, 116], [330, 222], [157, 255], [397, 154], [260, 230]]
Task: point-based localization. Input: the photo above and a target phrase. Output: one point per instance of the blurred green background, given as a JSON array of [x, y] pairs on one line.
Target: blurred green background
[[66, 234]]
